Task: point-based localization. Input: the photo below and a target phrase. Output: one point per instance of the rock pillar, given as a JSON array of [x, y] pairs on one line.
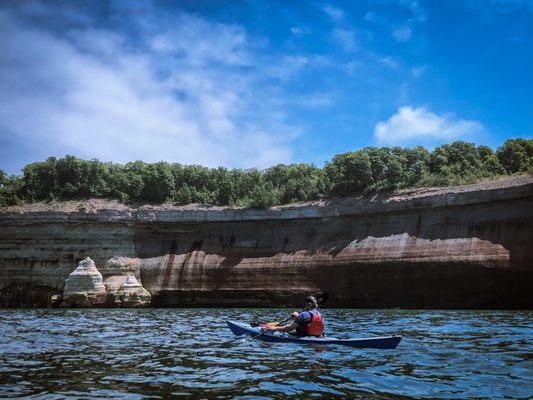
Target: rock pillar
[[84, 286]]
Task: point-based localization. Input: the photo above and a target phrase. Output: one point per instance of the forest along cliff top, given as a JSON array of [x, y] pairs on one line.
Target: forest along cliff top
[[507, 188]]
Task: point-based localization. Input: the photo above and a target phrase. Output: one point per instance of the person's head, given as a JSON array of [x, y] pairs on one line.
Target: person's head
[[310, 303]]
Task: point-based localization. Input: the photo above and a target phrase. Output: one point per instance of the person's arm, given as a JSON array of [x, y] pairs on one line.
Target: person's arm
[[292, 325]]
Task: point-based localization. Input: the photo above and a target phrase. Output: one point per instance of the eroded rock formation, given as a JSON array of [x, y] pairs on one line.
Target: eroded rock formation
[[459, 247], [84, 286], [116, 271], [132, 294]]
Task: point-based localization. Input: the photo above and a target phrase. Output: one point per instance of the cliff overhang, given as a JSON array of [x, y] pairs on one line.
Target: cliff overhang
[[458, 247]]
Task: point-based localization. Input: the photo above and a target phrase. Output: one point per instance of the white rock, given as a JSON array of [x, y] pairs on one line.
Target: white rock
[[133, 294], [131, 281], [84, 286]]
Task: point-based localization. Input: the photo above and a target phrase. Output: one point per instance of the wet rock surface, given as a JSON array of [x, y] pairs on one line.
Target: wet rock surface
[[461, 247]]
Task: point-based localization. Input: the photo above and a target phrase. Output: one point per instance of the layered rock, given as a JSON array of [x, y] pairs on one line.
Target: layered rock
[[461, 247], [116, 271], [122, 280], [132, 294], [84, 286]]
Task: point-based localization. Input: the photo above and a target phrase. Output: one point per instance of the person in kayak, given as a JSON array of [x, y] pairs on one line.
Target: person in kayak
[[308, 322]]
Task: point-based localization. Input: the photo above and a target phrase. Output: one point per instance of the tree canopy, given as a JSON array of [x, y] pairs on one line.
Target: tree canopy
[[367, 170]]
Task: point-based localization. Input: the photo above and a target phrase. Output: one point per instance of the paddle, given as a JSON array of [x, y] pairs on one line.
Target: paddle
[[321, 299], [260, 333]]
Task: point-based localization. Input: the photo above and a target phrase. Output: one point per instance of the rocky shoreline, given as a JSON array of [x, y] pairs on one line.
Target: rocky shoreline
[[456, 247]]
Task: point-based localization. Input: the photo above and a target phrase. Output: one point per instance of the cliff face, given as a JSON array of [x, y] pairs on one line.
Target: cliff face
[[461, 247]]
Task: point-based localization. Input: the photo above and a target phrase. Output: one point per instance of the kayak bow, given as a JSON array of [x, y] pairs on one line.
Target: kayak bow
[[378, 342]]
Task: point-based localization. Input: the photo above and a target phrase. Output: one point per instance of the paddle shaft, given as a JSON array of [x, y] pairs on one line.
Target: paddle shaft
[[260, 333], [287, 319]]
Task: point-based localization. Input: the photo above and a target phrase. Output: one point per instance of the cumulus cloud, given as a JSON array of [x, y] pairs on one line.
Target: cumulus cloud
[[184, 92], [419, 124]]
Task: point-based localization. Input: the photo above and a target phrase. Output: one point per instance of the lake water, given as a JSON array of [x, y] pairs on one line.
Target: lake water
[[162, 353]]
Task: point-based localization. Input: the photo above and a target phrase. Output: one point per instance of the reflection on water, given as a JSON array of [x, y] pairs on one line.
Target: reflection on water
[[161, 353]]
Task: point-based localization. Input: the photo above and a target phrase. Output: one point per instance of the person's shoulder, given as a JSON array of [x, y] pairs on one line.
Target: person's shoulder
[[305, 314]]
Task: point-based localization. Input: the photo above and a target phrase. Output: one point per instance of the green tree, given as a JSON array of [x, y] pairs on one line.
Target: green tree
[[346, 174], [484, 152], [349, 173], [489, 161], [158, 182], [223, 186], [493, 166], [3, 177], [395, 170], [516, 155], [379, 161], [40, 181], [10, 190], [127, 181], [454, 163], [416, 164], [262, 196], [296, 182]]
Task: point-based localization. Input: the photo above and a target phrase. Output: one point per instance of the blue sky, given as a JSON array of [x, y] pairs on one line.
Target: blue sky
[[252, 83]]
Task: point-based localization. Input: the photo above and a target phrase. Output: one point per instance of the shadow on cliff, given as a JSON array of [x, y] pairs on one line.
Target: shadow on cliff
[[497, 223]]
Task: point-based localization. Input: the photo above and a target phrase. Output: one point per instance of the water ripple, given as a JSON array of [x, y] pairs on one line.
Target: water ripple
[[162, 353]]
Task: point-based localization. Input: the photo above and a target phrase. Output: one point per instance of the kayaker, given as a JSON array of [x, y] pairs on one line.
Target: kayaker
[[308, 322]]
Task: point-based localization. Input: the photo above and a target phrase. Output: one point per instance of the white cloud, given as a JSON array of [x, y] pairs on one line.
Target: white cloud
[[419, 14], [318, 100], [390, 62], [287, 66], [182, 97], [346, 38], [419, 124], [335, 13], [299, 31], [351, 66], [418, 71], [402, 33], [376, 18]]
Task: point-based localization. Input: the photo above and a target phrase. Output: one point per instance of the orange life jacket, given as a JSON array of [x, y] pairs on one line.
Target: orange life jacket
[[316, 326]]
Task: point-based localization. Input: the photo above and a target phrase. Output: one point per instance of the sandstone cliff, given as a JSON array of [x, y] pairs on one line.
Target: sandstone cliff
[[459, 247]]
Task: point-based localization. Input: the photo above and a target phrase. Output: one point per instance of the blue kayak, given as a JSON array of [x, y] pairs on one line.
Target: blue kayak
[[378, 342]]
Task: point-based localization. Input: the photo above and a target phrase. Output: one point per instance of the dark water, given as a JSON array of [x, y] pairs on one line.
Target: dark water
[[162, 353]]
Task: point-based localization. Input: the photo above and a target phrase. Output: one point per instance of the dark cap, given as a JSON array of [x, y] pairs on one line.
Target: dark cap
[[311, 299]]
